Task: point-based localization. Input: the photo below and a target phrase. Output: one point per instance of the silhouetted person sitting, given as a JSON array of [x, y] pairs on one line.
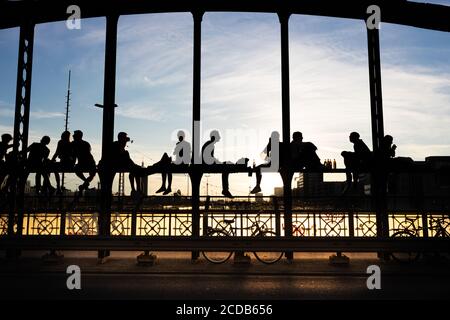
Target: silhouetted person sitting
[[303, 154], [38, 161], [209, 159], [64, 152], [274, 139], [386, 152], [386, 162], [85, 161], [182, 154], [357, 161], [4, 165], [121, 161]]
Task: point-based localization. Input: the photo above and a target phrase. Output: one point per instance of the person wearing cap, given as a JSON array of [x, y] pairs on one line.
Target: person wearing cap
[[209, 159], [121, 161], [37, 161], [356, 161], [4, 146], [85, 161]]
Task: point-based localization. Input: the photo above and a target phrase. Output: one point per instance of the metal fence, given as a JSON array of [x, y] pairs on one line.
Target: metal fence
[[164, 218]]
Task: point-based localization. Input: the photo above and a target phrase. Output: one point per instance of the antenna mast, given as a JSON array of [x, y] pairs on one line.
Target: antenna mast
[[66, 120], [66, 124]]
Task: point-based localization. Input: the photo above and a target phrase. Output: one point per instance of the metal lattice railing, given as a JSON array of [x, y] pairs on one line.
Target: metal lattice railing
[[85, 224], [163, 224], [365, 224], [172, 224], [42, 224], [320, 224], [121, 224]]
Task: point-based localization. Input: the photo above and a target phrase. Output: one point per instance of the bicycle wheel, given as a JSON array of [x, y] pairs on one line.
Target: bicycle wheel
[[268, 257], [405, 256], [217, 257]]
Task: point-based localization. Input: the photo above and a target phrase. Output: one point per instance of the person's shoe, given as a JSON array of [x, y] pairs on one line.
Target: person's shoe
[[168, 190], [255, 190], [227, 194], [162, 189]]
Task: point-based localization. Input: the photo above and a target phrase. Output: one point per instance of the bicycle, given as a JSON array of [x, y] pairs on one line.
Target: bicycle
[[408, 228], [225, 229]]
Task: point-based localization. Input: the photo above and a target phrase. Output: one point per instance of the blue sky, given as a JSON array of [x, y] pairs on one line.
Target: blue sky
[[241, 90]]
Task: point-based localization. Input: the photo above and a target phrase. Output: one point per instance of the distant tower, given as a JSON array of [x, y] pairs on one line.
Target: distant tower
[[66, 119]]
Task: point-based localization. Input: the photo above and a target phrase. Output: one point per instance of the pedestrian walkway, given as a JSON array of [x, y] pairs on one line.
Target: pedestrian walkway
[[305, 264]]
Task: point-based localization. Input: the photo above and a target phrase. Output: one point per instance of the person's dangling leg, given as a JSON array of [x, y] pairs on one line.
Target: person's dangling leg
[[163, 163], [169, 181], [169, 184], [163, 184], [80, 175], [225, 185], [131, 179], [92, 173], [258, 174], [137, 179], [349, 167], [47, 185], [87, 181], [37, 181], [138, 173], [58, 182]]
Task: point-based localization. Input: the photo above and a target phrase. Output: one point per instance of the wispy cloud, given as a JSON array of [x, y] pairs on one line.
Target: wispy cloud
[[40, 114], [155, 51], [141, 112], [6, 112]]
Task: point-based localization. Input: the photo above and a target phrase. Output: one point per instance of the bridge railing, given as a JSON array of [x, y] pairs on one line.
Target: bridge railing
[[172, 217]]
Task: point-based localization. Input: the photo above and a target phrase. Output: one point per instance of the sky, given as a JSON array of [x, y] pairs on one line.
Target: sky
[[241, 86]]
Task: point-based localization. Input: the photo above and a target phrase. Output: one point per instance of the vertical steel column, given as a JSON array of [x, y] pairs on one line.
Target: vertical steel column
[[285, 95], [109, 97], [376, 102], [196, 175], [286, 172], [21, 124], [376, 98]]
